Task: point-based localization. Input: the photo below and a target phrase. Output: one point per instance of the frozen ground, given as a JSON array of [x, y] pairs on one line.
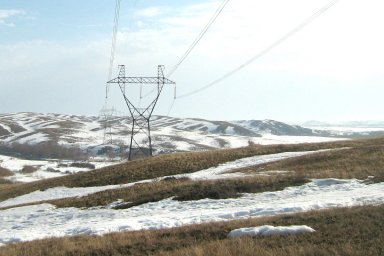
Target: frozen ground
[[45, 220]]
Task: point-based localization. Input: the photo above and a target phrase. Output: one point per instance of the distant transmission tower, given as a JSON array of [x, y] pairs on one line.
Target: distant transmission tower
[[107, 115], [140, 142]]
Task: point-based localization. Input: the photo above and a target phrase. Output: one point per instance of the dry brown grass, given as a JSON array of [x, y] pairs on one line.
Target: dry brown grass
[[28, 169], [182, 190], [4, 172], [163, 165], [4, 184], [365, 158], [359, 162], [343, 231]]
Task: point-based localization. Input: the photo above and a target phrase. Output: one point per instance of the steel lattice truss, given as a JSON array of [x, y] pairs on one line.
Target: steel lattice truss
[[141, 142], [141, 80]]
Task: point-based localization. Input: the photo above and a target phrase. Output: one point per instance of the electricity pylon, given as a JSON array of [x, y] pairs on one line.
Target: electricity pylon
[[141, 141], [107, 116]]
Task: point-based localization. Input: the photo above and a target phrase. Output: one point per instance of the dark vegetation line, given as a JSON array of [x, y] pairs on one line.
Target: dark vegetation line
[[44, 150], [181, 190]]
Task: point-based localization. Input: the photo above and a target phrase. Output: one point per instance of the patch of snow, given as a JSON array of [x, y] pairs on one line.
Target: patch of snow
[[230, 130], [44, 220], [268, 230], [54, 193], [216, 172]]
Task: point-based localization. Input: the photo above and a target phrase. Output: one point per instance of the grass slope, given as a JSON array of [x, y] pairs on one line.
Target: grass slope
[[358, 162], [163, 165], [182, 190]]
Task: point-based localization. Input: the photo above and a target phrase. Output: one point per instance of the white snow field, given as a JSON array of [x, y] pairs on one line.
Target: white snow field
[[268, 230], [45, 220]]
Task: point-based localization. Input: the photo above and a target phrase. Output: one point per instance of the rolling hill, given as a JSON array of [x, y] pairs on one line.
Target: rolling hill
[[169, 134]]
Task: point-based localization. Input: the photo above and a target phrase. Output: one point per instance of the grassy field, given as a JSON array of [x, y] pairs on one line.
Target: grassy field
[[344, 231], [166, 165], [358, 162], [162, 165], [182, 190]]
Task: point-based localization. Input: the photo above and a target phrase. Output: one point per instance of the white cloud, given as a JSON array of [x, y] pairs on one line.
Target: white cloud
[[5, 15], [151, 12], [336, 51], [336, 45]]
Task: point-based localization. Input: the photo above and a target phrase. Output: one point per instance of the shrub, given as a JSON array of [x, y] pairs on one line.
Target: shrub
[[4, 172], [83, 165], [48, 149], [4, 182], [29, 169]]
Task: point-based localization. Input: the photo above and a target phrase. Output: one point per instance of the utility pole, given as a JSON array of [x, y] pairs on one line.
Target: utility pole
[[140, 141]]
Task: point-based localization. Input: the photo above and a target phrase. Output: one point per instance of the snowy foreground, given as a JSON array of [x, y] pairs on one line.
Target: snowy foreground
[[45, 220]]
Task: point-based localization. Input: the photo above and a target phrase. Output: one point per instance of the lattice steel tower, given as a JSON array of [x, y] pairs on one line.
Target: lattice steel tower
[[141, 142]]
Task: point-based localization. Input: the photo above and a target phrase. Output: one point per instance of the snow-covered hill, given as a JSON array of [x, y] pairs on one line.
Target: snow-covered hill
[[169, 134]]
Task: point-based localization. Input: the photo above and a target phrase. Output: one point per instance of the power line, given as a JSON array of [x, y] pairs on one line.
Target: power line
[[193, 45], [198, 38], [266, 50], [170, 109], [113, 47], [109, 113]]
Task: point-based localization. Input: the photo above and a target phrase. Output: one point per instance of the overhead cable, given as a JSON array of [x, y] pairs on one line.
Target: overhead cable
[[113, 47], [266, 50], [199, 37]]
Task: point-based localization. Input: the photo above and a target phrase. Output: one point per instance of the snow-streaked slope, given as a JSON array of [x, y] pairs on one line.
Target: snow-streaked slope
[[219, 172], [169, 134], [44, 220]]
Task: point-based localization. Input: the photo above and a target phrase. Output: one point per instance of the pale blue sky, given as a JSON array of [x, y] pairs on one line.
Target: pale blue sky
[[54, 57]]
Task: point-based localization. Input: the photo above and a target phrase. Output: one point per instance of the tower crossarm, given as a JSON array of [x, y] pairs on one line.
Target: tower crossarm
[[141, 80]]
